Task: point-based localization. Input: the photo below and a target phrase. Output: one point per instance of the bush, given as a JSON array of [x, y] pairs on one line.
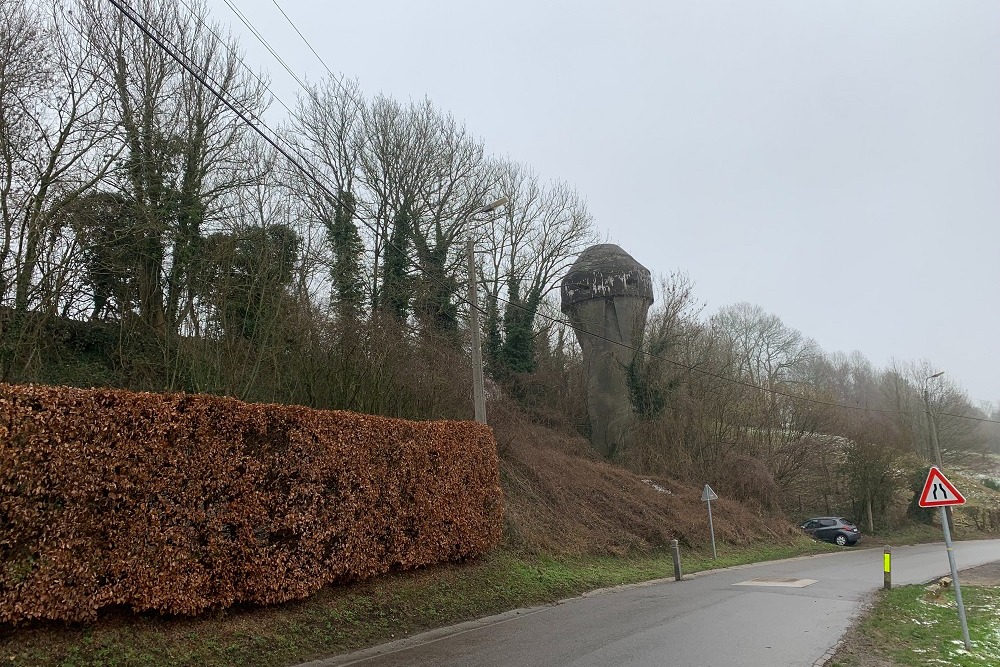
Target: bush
[[181, 503]]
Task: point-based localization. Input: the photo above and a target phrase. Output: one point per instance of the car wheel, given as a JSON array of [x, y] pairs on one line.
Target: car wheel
[[841, 540]]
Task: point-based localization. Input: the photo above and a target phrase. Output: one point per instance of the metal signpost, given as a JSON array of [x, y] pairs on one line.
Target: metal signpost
[[939, 492], [707, 496]]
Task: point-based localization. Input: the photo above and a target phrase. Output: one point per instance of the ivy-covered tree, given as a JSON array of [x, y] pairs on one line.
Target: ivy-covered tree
[[492, 337], [517, 353], [106, 231], [248, 276], [347, 248], [181, 152], [915, 484], [528, 244], [397, 285], [436, 287]]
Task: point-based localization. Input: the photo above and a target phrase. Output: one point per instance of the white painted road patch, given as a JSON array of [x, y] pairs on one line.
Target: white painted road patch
[[770, 581]]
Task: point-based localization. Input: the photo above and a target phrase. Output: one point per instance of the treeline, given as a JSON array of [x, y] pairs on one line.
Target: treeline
[[132, 198], [743, 399]]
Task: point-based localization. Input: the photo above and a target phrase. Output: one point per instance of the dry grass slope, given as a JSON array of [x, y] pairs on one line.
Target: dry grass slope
[[561, 498]]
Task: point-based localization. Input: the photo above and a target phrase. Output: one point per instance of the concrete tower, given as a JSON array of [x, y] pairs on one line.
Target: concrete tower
[[606, 295]]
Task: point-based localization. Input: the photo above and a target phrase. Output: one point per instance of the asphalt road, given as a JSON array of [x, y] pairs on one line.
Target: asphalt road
[[708, 620]]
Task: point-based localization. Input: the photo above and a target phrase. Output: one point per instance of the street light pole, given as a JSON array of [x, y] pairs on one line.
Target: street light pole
[[478, 390], [932, 425], [935, 446]]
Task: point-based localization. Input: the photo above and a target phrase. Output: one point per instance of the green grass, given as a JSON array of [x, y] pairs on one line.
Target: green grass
[[919, 533], [728, 556], [344, 618], [909, 627], [914, 533]]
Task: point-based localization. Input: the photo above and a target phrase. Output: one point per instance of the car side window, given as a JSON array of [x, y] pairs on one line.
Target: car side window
[[826, 523], [811, 524]]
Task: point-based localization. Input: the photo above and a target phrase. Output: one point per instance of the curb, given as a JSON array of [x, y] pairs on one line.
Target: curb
[[828, 656]]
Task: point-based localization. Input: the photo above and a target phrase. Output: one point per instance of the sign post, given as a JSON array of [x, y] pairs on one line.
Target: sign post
[[939, 492], [707, 496]]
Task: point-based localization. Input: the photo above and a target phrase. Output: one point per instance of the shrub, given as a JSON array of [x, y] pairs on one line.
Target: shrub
[[181, 503]]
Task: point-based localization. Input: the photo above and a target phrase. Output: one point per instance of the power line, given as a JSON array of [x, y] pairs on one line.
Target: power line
[[751, 385], [336, 199], [233, 53], [506, 302], [244, 114], [135, 18], [163, 43], [336, 78], [568, 324], [265, 43], [189, 67], [299, 32], [254, 74]]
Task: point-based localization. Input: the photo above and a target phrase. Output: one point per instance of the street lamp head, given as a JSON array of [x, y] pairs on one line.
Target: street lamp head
[[491, 206], [936, 375]]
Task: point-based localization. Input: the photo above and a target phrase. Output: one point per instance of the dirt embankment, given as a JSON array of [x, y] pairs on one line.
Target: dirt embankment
[[561, 497]]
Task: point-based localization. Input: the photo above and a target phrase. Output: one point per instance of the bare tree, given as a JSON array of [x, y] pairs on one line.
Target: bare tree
[[656, 376], [394, 156], [423, 174], [949, 404], [53, 149], [326, 130], [457, 184], [52, 143], [525, 251], [768, 354], [183, 151]]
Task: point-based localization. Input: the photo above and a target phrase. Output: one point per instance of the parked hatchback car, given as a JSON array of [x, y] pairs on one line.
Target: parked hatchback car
[[834, 529]]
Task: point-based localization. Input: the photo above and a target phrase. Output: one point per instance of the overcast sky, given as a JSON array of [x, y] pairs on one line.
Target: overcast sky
[[837, 163]]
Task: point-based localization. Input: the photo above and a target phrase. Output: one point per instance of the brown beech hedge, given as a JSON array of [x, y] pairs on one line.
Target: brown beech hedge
[[181, 503]]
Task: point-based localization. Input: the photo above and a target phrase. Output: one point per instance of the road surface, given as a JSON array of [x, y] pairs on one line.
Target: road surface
[[791, 615]]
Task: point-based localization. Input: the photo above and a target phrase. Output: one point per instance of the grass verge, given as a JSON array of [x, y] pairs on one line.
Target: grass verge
[[917, 533], [907, 627], [339, 619]]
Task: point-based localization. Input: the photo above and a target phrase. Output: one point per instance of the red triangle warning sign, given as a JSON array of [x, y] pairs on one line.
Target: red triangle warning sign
[[939, 492]]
